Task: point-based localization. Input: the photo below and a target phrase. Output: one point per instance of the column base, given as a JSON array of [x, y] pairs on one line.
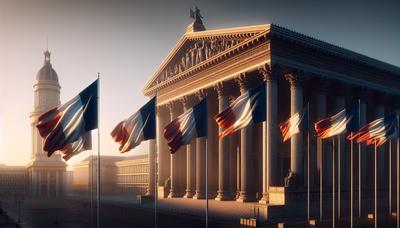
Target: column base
[[199, 196], [264, 199], [222, 196], [189, 194], [149, 193], [244, 197], [172, 195]]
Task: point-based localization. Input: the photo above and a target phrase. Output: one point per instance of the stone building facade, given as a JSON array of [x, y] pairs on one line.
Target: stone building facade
[[297, 69]]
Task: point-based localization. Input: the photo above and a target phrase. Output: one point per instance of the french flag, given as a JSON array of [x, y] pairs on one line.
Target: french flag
[[191, 124], [378, 131], [67, 128], [345, 120], [139, 127], [294, 125], [249, 108]]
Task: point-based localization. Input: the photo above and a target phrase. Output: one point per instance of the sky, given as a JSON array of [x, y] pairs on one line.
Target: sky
[[126, 41]]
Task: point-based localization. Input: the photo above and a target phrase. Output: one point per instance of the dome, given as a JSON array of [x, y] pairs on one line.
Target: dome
[[47, 72]]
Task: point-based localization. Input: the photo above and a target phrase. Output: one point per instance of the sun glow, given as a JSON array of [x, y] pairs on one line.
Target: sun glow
[[1, 140]]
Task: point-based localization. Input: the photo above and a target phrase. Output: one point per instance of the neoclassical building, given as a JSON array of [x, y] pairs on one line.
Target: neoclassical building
[[118, 175], [297, 69], [46, 174]]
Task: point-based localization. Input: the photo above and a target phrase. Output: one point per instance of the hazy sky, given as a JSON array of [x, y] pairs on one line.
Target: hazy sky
[[127, 40]]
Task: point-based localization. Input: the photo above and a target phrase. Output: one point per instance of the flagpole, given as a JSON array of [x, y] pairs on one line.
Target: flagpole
[[376, 188], [98, 151], [338, 170], [206, 182], [308, 162], [320, 181], [390, 177], [397, 175], [359, 162], [333, 182], [91, 191], [156, 156], [351, 180]]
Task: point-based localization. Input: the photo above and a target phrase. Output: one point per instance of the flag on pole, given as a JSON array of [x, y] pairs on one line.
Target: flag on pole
[[378, 131], [344, 121], [191, 124], [249, 108], [67, 128], [294, 125], [139, 127]]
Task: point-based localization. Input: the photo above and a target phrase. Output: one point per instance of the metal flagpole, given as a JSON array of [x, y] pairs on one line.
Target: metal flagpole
[[397, 175], [206, 182], [156, 156], [333, 182], [390, 177], [338, 170], [308, 162], [320, 181], [351, 180], [98, 150], [91, 191], [376, 188], [359, 161]]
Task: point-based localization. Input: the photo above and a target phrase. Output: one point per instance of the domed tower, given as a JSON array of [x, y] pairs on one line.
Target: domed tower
[[46, 174]]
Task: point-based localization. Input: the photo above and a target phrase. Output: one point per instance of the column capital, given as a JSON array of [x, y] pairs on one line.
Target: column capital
[[319, 84], [269, 74], [162, 109], [201, 94], [187, 101], [380, 98], [221, 89], [295, 79], [173, 106], [243, 83], [339, 88]]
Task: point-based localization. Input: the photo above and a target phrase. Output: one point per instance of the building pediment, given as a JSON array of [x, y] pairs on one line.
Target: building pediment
[[197, 49]]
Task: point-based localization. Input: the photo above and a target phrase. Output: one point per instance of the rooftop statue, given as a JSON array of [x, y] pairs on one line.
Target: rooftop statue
[[196, 16]]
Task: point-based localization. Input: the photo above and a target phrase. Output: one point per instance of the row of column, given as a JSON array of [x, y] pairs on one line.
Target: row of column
[[235, 169]]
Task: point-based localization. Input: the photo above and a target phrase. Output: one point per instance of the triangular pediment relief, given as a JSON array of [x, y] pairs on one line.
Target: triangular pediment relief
[[196, 48]]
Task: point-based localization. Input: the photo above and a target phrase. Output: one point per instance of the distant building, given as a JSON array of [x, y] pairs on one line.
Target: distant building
[[46, 174], [133, 175], [117, 175], [13, 181]]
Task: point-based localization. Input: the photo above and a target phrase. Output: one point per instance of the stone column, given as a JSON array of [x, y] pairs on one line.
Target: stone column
[[188, 103], [296, 142], [152, 167], [342, 171], [381, 152], [270, 162], [39, 189], [48, 184], [58, 186], [174, 191], [247, 190], [200, 160], [223, 148], [361, 148], [233, 144], [162, 146]]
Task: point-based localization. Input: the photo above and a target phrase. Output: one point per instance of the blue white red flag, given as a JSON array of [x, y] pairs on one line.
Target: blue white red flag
[[249, 108], [67, 128], [294, 125], [378, 131], [139, 127], [191, 124], [344, 121]]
